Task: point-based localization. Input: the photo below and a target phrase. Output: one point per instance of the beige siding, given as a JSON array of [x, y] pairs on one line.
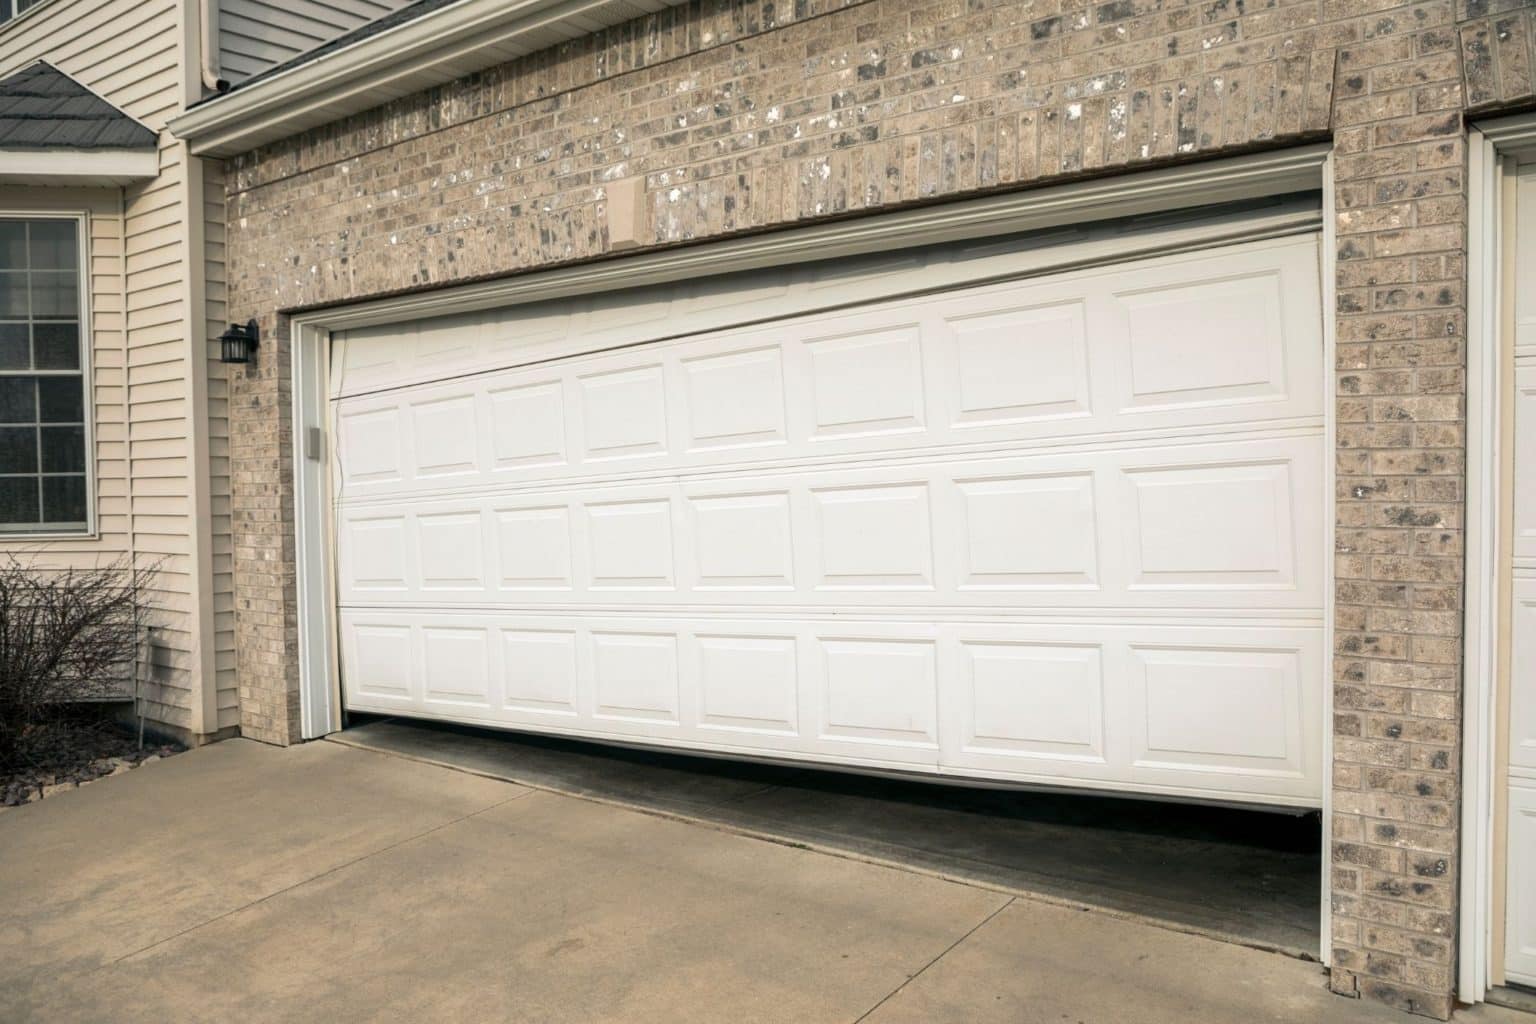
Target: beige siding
[[221, 553], [149, 337], [256, 34], [125, 50]]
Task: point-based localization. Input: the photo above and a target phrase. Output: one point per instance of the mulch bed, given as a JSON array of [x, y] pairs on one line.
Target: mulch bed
[[59, 756]]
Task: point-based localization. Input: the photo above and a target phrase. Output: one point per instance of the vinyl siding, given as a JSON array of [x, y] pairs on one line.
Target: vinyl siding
[[146, 342], [217, 420], [256, 34]]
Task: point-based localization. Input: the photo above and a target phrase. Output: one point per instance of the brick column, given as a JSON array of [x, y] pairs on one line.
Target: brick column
[[1400, 192], [261, 501]]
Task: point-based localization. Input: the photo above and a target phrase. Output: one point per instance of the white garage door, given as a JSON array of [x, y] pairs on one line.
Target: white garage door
[[1063, 530]]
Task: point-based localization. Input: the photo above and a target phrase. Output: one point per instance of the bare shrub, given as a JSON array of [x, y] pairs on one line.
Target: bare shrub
[[66, 636]]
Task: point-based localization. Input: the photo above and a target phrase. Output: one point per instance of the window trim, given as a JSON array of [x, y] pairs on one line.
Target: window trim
[[19, 15], [82, 221]]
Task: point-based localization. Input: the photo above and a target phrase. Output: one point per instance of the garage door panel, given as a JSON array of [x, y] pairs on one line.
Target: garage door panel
[[1224, 525], [1064, 530], [1161, 527], [999, 366], [1199, 706], [527, 426], [1018, 364], [1226, 709]]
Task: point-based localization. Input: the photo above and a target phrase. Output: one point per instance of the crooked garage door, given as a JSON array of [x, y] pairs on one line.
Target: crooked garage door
[[1062, 530]]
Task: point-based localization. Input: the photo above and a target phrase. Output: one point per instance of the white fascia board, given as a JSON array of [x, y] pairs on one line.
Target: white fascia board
[[77, 166], [396, 62]]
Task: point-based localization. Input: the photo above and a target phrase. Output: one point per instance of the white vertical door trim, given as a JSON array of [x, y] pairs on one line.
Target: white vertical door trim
[[319, 683], [1484, 390], [1490, 146], [1328, 265]]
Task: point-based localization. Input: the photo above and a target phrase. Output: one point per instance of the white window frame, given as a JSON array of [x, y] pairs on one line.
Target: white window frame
[[12, 15], [44, 532]]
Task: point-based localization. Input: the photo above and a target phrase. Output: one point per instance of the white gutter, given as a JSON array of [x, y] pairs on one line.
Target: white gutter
[[414, 55]]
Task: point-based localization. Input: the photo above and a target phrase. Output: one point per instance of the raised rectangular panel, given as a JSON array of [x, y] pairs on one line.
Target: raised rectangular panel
[[631, 544], [1034, 531], [528, 426], [880, 690], [376, 550], [539, 670], [876, 536], [442, 345], [1520, 927], [382, 663], [735, 291], [1218, 709], [624, 413], [743, 541], [868, 383], [1034, 700], [450, 551], [1523, 543], [1020, 364], [636, 675], [457, 664], [1522, 674], [358, 365], [624, 310], [840, 273], [1206, 342], [748, 682], [534, 545], [1226, 526], [445, 436], [735, 399], [371, 442]]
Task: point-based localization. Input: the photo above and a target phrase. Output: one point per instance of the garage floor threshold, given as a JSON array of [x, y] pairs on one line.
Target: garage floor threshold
[[1249, 877]]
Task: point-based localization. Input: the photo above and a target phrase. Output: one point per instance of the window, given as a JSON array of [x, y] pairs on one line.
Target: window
[[42, 382], [10, 8]]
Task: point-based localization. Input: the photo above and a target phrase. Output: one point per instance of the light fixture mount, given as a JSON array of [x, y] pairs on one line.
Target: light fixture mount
[[238, 344]]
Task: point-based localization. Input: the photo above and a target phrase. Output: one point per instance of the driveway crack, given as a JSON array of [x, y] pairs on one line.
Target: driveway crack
[[314, 878], [945, 952]]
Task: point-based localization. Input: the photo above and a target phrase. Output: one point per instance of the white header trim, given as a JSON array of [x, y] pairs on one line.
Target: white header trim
[[77, 166]]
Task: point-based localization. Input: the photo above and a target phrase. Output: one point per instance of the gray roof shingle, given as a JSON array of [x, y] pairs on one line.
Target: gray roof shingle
[[43, 108]]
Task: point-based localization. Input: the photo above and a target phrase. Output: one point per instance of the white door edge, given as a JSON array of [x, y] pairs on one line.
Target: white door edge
[[1489, 144]]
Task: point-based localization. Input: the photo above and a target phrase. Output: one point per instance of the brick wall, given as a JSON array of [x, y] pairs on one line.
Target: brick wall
[[751, 115]]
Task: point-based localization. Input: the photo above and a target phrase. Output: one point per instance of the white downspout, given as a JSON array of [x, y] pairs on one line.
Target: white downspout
[[208, 31]]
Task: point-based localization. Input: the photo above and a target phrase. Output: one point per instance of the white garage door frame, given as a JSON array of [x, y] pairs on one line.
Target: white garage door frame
[[1495, 148], [1301, 169]]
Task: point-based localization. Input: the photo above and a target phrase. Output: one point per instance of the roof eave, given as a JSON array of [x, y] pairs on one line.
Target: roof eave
[[415, 55], [89, 167]]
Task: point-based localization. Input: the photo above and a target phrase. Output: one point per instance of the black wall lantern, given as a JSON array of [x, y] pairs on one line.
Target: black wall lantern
[[238, 344]]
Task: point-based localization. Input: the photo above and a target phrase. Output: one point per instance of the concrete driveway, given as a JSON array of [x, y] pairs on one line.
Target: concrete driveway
[[328, 883]]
